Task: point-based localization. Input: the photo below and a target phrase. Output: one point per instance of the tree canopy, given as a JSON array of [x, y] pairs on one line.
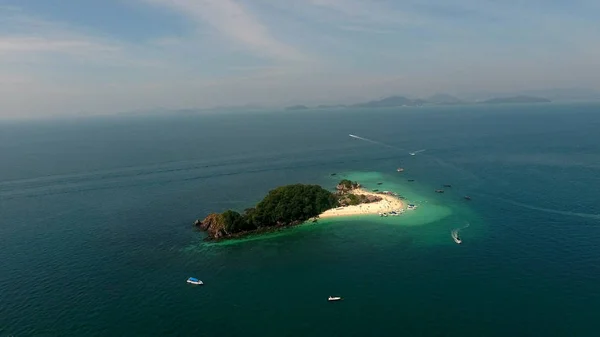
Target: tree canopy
[[282, 206]]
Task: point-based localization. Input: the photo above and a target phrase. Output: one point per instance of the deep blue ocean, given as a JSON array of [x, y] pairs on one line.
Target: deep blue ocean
[[96, 235]]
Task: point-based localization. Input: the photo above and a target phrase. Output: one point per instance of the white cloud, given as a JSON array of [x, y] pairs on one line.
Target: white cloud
[[27, 44], [235, 22], [369, 12], [280, 52]]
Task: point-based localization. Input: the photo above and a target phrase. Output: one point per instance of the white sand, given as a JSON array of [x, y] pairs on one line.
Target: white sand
[[387, 204]]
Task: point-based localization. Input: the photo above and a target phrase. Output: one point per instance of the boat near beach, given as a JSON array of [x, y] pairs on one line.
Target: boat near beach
[[400, 169], [467, 197], [334, 298], [193, 280], [411, 207], [439, 191]]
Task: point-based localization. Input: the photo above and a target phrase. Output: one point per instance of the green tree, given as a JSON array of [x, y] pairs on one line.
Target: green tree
[[233, 221], [281, 206]]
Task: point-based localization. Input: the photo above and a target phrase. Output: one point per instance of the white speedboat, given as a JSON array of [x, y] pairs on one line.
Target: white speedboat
[[334, 298], [411, 207], [194, 280], [455, 237]]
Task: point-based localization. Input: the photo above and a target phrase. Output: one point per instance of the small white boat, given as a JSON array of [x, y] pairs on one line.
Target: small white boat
[[455, 237], [411, 207], [194, 280], [334, 298]]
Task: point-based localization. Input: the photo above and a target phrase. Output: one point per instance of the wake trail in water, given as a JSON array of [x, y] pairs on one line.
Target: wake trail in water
[[454, 233], [549, 210], [434, 158], [457, 230], [376, 142]]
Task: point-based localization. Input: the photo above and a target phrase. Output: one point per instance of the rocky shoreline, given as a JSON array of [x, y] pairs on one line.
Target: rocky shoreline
[[217, 236], [279, 212]]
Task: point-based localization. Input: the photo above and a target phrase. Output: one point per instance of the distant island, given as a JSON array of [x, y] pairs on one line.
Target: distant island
[[516, 99], [297, 107], [391, 101], [444, 99], [325, 106], [295, 204], [437, 99]]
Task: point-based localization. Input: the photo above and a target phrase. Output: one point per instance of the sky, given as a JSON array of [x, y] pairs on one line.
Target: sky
[[80, 57]]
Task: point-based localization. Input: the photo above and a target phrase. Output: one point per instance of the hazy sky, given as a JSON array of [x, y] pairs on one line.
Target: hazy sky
[[106, 56]]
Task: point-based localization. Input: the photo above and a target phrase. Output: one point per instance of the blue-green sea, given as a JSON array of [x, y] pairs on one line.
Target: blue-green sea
[[96, 235]]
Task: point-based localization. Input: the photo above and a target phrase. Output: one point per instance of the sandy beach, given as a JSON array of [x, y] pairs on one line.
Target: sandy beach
[[389, 203]]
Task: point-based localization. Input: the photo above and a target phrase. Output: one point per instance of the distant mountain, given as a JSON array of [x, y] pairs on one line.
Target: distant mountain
[[324, 106], [555, 94], [444, 99], [565, 94], [516, 99], [297, 107], [391, 101], [251, 106]]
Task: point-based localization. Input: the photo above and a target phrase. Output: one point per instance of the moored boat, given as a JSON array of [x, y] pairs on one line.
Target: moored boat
[[400, 169], [194, 280], [439, 191], [334, 298], [467, 197]]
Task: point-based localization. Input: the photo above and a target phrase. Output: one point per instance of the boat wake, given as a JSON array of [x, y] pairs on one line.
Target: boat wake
[[376, 142], [414, 153], [548, 210], [455, 233]]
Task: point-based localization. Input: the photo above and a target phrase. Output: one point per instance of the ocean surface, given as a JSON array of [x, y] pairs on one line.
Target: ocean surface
[[96, 235]]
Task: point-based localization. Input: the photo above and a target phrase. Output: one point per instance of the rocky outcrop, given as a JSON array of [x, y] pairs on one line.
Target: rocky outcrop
[[346, 186], [356, 199], [213, 224]]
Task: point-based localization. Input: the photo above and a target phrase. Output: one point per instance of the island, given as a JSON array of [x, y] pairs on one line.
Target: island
[[444, 99], [325, 106], [516, 99], [292, 205], [297, 107], [392, 101]]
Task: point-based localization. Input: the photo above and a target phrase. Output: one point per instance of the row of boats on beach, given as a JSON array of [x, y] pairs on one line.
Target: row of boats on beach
[[398, 212]]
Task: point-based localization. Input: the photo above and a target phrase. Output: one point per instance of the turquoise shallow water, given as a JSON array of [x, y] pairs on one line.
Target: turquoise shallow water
[[96, 236]]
